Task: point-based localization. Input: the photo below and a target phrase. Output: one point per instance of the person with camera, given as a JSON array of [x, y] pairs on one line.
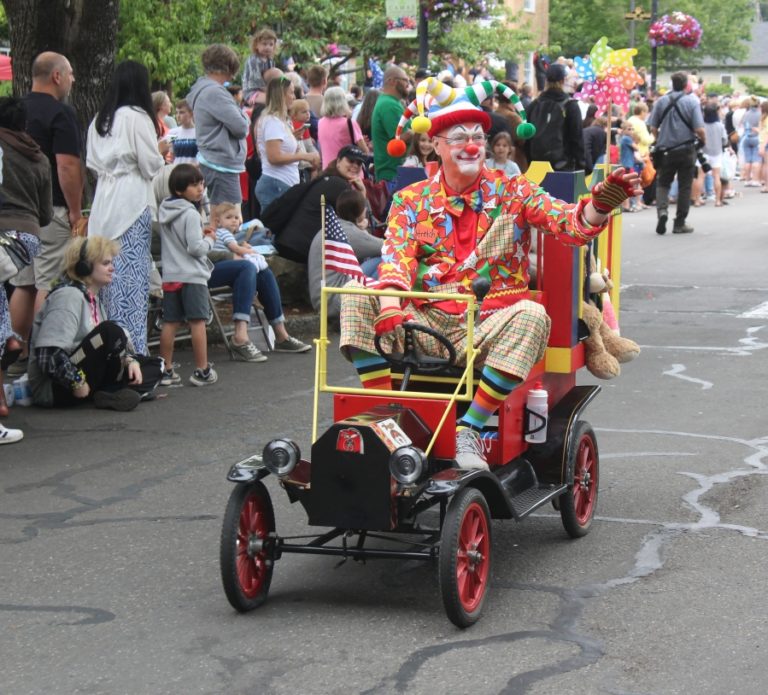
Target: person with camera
[[678, 126]]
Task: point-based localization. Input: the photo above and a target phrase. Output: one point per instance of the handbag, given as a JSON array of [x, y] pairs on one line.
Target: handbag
[[648, 172], [14, 255], [727, 165], [377, 195]]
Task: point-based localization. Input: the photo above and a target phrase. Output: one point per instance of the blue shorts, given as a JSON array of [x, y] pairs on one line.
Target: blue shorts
[[190, 303]]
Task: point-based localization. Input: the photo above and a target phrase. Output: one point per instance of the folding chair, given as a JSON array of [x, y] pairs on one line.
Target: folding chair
[[219, 295]]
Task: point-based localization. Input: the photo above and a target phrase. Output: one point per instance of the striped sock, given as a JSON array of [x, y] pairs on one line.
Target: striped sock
[[374, 370], [493, 388]]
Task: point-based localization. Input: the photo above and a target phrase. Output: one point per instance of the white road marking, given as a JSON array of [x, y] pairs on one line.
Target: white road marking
[[677, 371], [756, 312]]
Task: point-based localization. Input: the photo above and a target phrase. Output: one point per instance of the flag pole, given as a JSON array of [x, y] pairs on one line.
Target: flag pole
[[322, 238], [608, 139]]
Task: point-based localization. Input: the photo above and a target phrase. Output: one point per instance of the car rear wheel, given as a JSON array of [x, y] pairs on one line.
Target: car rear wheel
[[246, 563], [577, 505], [465, 557]]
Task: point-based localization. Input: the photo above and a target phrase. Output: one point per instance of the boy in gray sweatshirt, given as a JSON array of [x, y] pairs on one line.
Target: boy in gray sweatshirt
[[186, 269]]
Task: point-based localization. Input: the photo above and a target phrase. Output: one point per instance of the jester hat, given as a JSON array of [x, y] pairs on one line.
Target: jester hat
[[447, 106]]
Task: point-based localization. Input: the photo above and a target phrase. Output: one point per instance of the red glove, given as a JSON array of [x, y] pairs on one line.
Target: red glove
[[612, 192], [389, 320]]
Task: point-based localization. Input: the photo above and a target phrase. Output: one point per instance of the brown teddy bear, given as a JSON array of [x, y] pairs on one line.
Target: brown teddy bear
[[604, 349]]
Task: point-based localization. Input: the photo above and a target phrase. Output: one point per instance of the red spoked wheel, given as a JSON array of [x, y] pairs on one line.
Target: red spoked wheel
[[246, 562], [465, 557], [577, 505]]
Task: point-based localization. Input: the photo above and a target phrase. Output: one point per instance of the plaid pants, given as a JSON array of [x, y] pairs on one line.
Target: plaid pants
[[511, 340]]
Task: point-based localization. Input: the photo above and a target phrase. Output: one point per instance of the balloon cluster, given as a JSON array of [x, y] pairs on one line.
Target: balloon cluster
[[607, 75], [676, 29]]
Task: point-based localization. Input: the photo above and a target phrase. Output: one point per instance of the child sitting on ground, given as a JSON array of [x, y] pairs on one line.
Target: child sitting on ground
[[186, 269], [226, 220], [263, 46], [503, 151]]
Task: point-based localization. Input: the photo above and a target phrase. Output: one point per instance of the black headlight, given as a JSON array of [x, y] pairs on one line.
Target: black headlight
[[280, 456], [406, 464]]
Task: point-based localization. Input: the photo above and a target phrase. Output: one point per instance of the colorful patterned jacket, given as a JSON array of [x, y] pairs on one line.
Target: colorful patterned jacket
[[418, 250]]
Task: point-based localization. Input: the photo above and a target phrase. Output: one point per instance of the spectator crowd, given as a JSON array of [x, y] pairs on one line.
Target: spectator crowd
[[215, 188]]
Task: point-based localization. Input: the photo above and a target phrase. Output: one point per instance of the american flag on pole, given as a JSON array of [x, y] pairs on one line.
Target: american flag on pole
[[339, 256]]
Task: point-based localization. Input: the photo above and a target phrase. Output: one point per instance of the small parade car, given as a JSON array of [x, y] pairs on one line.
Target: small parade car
[[381, 481]]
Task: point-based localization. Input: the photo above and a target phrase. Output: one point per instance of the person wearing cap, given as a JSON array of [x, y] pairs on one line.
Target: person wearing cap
[[559, 139], [293, 241], [386, 115], [465, 223]]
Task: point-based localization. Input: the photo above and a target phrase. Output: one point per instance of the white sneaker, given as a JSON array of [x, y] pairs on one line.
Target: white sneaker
[[204, 377], [469, 450], [8, 436]]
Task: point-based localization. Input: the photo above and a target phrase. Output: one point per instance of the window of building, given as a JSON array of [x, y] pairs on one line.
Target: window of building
[[529, 5], [726, 79]]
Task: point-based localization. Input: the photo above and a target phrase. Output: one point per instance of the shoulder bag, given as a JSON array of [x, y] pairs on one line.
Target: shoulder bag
[[14, 256]]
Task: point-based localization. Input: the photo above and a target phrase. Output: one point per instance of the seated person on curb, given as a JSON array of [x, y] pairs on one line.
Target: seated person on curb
[[186, 269], [226, 220], [465, 223], [78, 355], [247, 280], [351, 209]]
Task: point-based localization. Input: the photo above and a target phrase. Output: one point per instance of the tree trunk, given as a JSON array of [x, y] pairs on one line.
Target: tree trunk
[[85, 31]]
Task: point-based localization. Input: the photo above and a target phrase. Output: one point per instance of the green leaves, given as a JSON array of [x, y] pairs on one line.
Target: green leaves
[[576, 24]]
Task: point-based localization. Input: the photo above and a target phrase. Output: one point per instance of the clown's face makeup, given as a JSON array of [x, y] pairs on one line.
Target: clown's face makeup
[[462, 151]]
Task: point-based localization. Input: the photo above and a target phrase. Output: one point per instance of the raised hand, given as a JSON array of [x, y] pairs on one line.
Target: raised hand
[[611, 193]]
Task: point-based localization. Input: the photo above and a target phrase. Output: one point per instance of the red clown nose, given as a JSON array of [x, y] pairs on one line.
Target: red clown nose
[[471, 149]]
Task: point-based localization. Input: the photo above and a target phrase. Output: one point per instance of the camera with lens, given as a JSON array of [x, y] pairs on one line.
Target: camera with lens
[[702, 158]]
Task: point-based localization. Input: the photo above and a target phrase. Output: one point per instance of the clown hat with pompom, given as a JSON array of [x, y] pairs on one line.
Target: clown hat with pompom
[[446, 106]]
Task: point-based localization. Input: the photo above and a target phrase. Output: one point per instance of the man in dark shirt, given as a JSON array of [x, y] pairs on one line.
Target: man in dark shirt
[[54, 126], [559, 138]]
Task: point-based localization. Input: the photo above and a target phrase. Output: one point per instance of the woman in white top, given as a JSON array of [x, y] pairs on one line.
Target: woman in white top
[[123, 153], [277, 145]]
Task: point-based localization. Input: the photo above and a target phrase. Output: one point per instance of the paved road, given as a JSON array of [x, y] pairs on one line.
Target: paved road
[[110, 522]]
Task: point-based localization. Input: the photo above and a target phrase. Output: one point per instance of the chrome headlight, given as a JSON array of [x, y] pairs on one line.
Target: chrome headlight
[[406, 464], [280, 456]]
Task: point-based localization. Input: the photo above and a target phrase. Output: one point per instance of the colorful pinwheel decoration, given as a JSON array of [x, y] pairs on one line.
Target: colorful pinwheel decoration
[[675, 29], [608, 76]]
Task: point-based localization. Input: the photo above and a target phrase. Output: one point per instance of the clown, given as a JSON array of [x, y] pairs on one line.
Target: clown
[[469, 222]]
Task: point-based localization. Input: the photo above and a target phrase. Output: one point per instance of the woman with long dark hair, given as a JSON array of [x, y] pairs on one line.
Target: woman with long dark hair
[[123, 153]]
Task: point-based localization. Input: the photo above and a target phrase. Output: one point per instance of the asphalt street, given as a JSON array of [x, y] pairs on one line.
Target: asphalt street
[[110, 523]]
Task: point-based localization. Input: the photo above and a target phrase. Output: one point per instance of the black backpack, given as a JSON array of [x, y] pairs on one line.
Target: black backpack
[[547, 145], [280, 210]]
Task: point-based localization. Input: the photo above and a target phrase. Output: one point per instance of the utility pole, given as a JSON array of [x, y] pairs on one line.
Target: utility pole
[[635, 14]]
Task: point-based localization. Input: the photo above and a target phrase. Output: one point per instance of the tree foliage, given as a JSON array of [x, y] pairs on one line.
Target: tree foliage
[[82, 30], [754, 86], [506, 35], [167, 36], [726, 29]]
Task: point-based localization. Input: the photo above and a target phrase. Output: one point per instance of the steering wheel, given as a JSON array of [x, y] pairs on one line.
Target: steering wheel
[[411, 359]]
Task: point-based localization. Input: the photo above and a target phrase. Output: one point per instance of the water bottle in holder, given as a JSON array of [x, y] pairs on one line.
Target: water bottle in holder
[[536, 410]]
